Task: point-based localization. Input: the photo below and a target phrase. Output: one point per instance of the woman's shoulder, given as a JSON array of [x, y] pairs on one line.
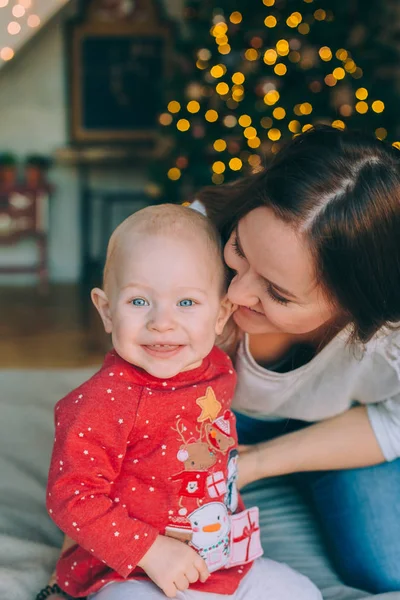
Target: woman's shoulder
[[386, 343]]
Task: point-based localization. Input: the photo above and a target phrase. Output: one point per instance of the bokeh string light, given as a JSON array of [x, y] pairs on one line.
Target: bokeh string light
[[20, 22], [263, 80]]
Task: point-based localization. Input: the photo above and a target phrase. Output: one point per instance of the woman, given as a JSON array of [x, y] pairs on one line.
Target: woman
[[314, 244]]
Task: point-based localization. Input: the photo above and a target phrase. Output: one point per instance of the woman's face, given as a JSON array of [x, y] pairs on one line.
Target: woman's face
[[275, 284]]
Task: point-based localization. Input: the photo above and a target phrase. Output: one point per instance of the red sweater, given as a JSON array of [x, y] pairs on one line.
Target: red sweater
[[135, 456]]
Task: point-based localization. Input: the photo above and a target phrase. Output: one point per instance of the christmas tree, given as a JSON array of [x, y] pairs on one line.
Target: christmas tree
[[251, 74]]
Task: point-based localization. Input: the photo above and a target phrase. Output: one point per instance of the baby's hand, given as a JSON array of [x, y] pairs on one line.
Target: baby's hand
[[173, 565]]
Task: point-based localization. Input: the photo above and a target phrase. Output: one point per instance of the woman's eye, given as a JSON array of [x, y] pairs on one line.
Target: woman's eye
[[276, 297], [139, 302], [186, 302], [237, 249]]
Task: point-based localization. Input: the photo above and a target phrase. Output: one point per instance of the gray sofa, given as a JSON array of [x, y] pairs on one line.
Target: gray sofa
[[29, 541]]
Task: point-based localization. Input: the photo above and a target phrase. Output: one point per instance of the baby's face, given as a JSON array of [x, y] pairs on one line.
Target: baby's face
[[165, 303]]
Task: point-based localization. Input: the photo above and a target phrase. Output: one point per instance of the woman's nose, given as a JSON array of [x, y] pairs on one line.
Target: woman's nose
[[243, 290]]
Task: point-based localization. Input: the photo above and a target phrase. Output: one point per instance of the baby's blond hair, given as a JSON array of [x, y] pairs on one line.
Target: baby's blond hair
[[165, 219]]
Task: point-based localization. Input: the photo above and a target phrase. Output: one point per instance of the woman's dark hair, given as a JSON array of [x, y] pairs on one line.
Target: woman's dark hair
[[342, 189]]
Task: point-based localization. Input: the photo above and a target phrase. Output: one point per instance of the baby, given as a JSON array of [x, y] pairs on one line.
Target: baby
[[143, 471]]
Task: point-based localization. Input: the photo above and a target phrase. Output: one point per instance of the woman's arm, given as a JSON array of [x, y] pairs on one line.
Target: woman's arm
[[343, 442]]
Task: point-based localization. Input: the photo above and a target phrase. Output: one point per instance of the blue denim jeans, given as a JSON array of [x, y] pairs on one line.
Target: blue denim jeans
[[358, 511]]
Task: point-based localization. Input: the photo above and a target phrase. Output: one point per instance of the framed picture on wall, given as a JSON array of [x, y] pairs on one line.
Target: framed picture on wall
[[116, 74]]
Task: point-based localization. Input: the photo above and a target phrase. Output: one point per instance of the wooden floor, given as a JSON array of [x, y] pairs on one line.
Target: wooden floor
[[44, 331]]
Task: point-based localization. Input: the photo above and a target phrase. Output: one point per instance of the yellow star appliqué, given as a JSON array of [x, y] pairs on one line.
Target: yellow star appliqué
[[209, 405]]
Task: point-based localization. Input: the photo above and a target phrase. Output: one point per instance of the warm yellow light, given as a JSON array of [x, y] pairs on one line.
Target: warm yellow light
[[218, 71], [271, 97], [6, 53], [221, 40], [294, 126], [338, 124], [297, 110], [13, 28], [362, 107], [254, 143], [280, 69], [270, 56], [211, 116], [251, 54], [396, 145], [174, 174], [230, 121], [18, 11], [330, 80], [274, 134], [225, 49], [270, 21], [325, 53], [193, 106], [266, 122], [222, 88], [238, 78], [33, 21], [279, 113], [378, 106], [183, 125], [381, 133], [254, 160], [217, 179], [219, 145], [237, 95], [174, 106], [219, 29], [350, 66], [339, 73], [306, 108], [204, 54], [306, 127], [250, 132], [235, 164], [269, 2], [235, 17], [282, 47], [165, 119], [341, 54], [362, 93], [304, 28], [245, 120], [201, 64], [218, 167], [294, 19], [320, 15]]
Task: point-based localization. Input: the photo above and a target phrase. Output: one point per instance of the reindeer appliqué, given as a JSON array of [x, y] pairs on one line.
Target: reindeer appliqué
[[197, 457]]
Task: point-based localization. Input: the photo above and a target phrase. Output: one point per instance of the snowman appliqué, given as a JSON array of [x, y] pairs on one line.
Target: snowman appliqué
[[210, 534]]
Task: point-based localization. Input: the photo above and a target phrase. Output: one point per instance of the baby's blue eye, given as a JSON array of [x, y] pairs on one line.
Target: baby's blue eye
[[186, 302], [139, 302]]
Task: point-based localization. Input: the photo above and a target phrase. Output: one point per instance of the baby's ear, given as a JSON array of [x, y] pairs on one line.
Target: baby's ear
[[225, 311], [100, 300]]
